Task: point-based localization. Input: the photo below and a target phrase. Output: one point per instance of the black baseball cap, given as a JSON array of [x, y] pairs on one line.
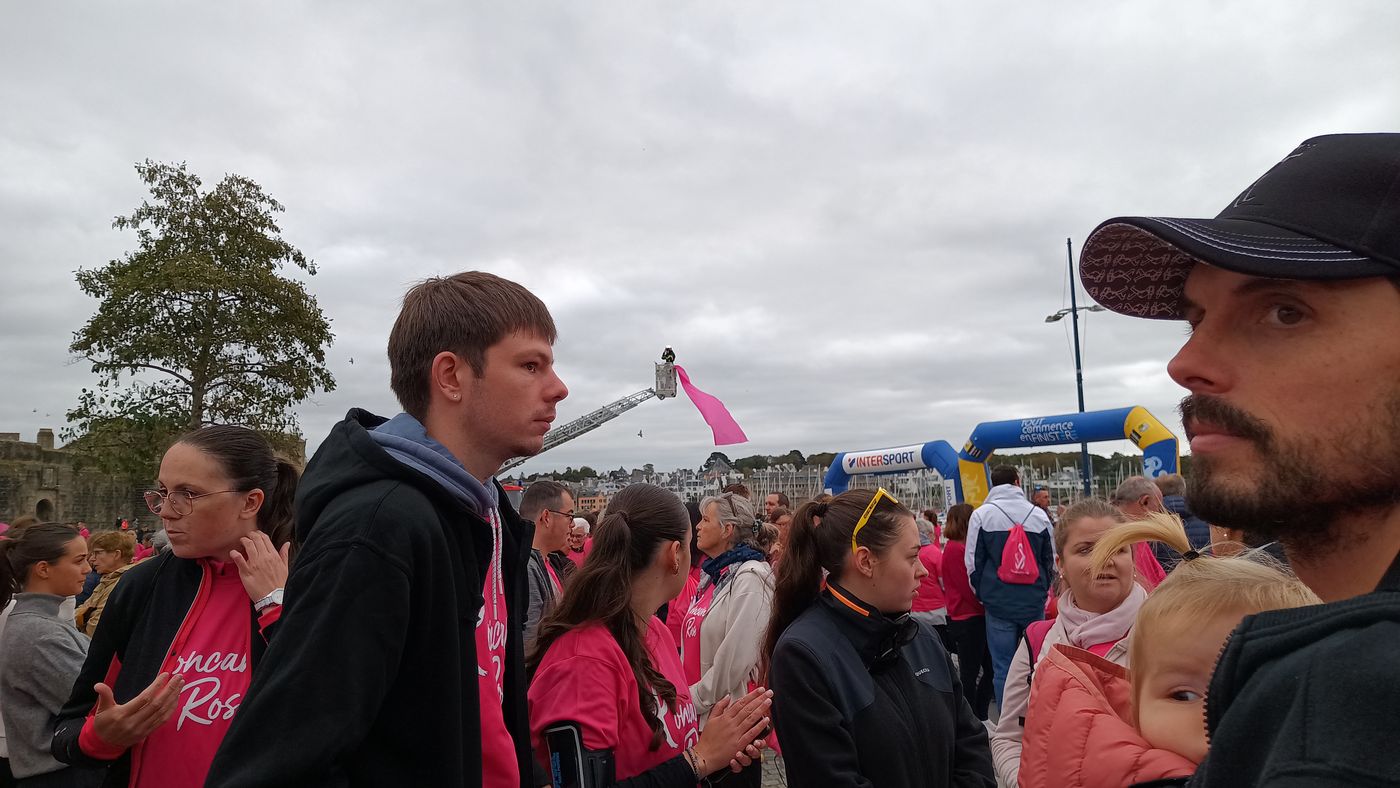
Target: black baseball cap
[[1329, 210]]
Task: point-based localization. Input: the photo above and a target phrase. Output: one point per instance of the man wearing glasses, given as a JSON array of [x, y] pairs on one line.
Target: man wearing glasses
[[550, 506]]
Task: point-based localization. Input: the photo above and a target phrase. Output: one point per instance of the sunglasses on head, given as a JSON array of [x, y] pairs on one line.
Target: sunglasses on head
[[869, 510]]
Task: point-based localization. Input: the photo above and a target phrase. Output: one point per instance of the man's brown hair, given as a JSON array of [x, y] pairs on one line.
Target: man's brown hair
[[738, 488], [465, 314]]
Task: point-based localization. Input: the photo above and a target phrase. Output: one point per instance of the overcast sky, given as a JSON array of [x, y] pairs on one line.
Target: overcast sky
[[848, 218]]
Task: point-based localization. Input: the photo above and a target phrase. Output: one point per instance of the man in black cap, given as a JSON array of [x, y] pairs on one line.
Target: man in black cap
[[1293, 367]]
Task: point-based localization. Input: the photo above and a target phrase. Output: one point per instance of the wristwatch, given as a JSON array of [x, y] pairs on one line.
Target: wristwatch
[[274, 598]]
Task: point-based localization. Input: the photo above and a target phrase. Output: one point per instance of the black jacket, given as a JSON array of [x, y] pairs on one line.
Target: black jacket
[[1309, 697], [372, 679], [138, 625], [844, 717]]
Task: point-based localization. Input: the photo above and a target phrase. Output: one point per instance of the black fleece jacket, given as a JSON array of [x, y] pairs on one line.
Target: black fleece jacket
[[1309, 697], [846, 718], [372, 680], [138, 626]]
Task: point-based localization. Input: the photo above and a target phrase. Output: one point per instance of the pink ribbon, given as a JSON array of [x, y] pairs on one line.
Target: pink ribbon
[[725, 428]]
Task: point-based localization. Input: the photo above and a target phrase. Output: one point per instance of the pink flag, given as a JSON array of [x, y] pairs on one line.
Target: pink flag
[[724, 426]]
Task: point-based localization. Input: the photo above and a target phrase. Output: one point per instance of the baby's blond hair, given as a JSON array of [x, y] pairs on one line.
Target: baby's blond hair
[[1200, 588]]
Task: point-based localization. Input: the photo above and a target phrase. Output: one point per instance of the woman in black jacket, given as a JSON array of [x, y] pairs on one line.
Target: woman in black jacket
[[170, 661], [863, 695]]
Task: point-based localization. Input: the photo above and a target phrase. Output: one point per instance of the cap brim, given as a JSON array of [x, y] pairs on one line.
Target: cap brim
[[1137, 265]]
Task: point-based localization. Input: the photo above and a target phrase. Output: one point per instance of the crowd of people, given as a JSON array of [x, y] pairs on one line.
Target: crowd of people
[[387, 617]]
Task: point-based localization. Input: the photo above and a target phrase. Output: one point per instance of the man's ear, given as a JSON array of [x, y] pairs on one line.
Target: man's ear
[[451, 376]]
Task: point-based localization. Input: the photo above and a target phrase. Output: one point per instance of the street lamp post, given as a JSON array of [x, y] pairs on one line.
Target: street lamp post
[[1073, 312]]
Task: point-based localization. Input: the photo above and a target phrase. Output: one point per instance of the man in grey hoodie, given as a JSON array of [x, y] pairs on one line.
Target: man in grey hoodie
[[399, 658]]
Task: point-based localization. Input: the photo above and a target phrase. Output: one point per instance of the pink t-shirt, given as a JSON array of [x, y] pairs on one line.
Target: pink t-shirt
[[211, 652], [585, 678], [930, 596], [578, 558], [553, 577], [957, 591], [1150, 572], [690, 632], [499, 769], [675, 614]]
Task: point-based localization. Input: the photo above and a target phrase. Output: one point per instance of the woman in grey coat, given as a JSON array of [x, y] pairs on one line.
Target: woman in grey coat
[[41, 651]]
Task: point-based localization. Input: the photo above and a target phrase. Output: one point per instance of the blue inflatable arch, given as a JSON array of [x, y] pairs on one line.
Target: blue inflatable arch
[[935, 455], [1160, 448]]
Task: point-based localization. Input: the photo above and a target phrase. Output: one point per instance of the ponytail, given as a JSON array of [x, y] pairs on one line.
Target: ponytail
[[9, 582], [277, 517], [798, 577], [639, 521], [1157, 527]]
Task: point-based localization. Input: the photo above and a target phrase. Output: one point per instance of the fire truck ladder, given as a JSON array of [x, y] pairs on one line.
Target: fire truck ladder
[[665, 388]]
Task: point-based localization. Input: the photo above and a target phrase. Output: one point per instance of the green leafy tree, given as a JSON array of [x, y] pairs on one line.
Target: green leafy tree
[[196, 325]]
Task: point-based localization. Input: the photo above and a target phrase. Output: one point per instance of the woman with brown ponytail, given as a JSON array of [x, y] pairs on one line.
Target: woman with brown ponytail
[[865, 695], [608, 698], [172, 656], [41, 651]]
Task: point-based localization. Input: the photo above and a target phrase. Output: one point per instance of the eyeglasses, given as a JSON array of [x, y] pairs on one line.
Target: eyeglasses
[[869, 510], [569, 515], [181, 501]]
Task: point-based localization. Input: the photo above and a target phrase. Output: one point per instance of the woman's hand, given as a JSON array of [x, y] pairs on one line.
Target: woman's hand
[[130, 723], [261, 567], [732, 732]]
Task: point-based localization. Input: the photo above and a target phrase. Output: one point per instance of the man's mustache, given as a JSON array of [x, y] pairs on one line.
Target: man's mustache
[[1204, 408]]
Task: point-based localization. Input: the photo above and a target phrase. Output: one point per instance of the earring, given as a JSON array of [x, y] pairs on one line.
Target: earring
[[456, 397], [676, 568]]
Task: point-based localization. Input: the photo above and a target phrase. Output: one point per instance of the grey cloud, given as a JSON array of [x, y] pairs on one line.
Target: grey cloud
[[848, 219]]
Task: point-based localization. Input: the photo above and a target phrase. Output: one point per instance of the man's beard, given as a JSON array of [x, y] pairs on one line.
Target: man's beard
[[1301, 490]]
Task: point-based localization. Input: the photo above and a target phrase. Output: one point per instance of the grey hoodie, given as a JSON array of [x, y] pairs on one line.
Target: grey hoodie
[[406, 440]]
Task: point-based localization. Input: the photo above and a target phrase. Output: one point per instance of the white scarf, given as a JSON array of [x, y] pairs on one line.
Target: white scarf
[[1086, 629]]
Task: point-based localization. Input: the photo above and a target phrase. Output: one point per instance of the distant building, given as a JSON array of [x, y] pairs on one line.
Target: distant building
[[590, 503], [41, 480]]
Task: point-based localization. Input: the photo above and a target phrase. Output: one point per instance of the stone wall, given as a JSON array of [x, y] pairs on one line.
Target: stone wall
[[42, 481]]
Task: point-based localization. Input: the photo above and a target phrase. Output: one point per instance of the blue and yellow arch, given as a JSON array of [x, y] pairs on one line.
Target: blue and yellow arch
[[1161, 452]]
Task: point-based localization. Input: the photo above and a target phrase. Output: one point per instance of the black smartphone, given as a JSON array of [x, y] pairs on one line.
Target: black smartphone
[[565, 756]]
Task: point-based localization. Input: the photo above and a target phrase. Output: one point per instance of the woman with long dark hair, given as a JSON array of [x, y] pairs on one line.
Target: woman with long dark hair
[[967, 619], [41, 651], [864, 694], [185, 629], [608, 698]]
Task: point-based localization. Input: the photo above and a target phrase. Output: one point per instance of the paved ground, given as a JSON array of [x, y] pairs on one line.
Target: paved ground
[[773, 774]]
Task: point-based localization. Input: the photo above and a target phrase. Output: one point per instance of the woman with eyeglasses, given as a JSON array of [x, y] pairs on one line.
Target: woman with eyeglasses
[[722, 629], [864, 694], [174, 652], [110, 554]]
